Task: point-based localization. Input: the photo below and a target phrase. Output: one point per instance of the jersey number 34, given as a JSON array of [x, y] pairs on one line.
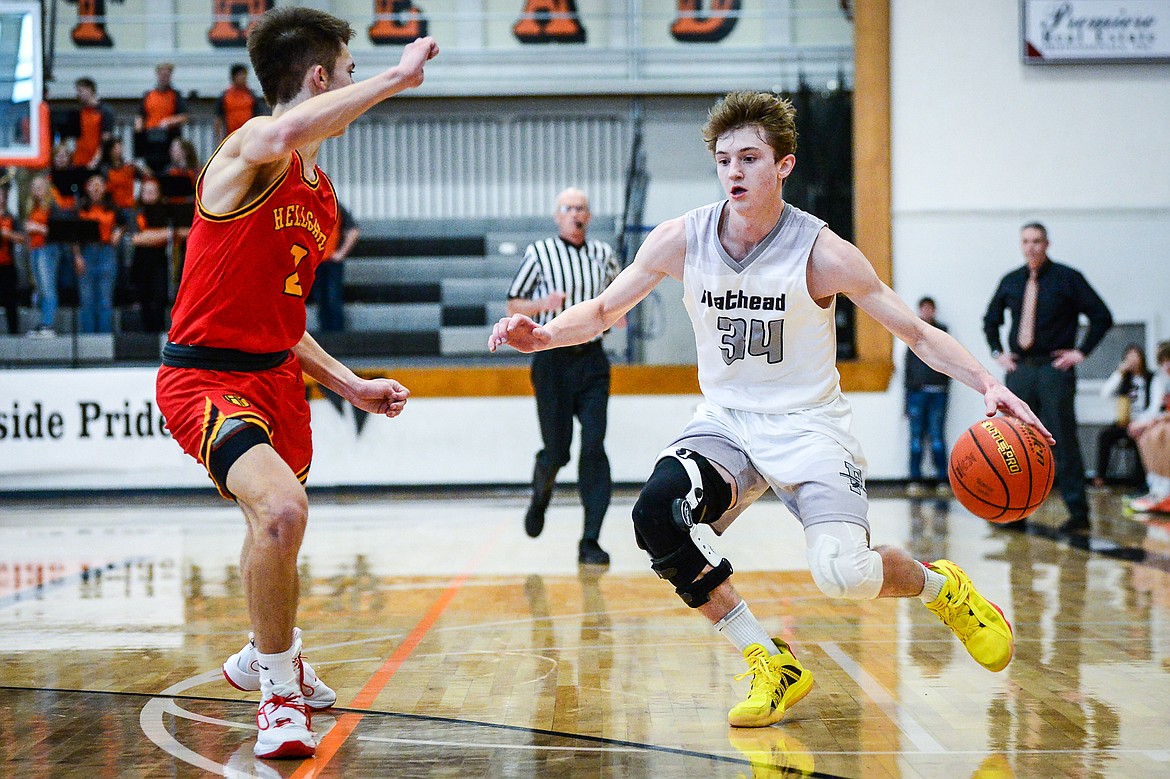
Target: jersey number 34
[[751, 336]]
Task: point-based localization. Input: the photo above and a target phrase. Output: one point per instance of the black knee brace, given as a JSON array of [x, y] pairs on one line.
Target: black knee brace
[[670, 504], [235, 437]]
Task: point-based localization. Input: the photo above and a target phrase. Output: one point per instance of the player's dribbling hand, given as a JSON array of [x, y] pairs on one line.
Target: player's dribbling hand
[[519, 332], [381, 396], [414, 56], [1000, 398]]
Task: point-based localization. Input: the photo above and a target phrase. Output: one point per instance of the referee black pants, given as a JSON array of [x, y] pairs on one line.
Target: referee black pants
[[574, 381], [1051, 393]]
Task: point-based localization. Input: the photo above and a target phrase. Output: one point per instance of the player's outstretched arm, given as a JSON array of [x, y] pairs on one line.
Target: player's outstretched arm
[[328, 114], [377, 396], [663, 254], [839, 266]]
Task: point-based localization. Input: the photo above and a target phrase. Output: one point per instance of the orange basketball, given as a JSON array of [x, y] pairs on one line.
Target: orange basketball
[[1001, 469]]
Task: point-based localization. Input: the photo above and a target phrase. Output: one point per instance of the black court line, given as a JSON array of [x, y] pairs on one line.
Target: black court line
[[431, 718]]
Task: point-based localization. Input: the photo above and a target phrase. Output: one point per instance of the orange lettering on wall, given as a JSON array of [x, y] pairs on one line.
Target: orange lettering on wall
[[234, 19], [90, 29], [692, 26], [549, 21], [397, 22]]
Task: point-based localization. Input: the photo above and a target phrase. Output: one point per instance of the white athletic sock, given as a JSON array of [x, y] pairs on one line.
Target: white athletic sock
[[1159, 485], [277, 670], [742, 629], [933, 586]]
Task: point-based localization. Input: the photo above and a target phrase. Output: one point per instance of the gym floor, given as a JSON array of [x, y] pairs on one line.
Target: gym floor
[[460, 647]]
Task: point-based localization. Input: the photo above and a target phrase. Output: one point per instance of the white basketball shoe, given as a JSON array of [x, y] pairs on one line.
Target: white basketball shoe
[[283, 721], [243, 673]]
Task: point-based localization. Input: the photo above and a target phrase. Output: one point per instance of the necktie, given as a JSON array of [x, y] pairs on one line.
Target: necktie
[[1027, 332]]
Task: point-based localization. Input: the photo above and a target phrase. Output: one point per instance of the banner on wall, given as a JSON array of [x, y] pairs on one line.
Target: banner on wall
[[1070, 31], [398, 22]]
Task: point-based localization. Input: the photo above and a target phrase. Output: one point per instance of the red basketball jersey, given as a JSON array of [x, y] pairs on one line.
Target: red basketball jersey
[[247, 272]]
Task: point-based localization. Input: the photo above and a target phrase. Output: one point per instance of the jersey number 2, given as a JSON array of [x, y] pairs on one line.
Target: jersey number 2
[[292, 282], [766, 339]]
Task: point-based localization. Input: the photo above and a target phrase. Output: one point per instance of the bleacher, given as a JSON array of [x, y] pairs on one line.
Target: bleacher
[[412, 290]]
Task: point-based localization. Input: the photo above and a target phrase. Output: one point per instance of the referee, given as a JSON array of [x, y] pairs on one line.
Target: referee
[[573, 381]]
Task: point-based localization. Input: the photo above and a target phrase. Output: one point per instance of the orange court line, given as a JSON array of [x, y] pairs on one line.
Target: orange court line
[[331, 743]]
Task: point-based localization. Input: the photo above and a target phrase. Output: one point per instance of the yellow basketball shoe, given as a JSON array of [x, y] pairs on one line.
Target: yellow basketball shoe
[[778, 682], [978, 622], [773, 753]]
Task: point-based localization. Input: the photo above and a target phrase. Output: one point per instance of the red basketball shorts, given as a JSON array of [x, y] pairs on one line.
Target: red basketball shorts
[[196, 403]]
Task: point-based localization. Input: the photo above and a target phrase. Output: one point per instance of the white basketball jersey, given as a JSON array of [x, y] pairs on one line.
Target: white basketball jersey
[[764, 345]]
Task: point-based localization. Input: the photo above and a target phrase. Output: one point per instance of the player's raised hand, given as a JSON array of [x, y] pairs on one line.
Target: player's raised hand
[[414, 57], [519, 332], [1000, 398], [380, 396]]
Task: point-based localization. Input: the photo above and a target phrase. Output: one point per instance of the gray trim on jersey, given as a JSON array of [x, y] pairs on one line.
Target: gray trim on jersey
[[739, 266]]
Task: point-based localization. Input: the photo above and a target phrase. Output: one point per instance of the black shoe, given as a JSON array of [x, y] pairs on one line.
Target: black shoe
[[1075, 526], [590, 553], [534, 519]]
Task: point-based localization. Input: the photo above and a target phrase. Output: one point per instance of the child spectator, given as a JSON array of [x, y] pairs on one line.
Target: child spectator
[[45, 257], [97, 263], [150, 271]]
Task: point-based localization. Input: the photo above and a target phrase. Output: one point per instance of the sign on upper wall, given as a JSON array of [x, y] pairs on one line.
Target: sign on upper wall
[[1068, 31], [397, 22]]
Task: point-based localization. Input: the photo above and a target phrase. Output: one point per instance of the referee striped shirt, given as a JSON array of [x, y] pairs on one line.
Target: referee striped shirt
[[553, 265]]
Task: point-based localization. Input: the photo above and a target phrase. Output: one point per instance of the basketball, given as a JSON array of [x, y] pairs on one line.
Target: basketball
[[1001, 469]]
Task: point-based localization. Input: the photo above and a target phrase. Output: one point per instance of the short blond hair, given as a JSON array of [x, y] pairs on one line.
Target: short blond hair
[[775, 116]]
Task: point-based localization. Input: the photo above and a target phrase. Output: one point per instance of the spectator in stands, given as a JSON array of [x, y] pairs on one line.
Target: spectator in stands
[[9, 283], [236, 105], [95, 125], [97, 263], [160, 119], [184, 166], [572, 381], [329, 287], [121, 176], [1151, 430], [66, 178], [927, 393], [1129, 385], [45, 257], [150, 271]]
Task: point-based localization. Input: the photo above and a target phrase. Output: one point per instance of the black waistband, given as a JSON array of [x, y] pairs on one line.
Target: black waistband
[[1035, 359], [209, 358], [578, 348]]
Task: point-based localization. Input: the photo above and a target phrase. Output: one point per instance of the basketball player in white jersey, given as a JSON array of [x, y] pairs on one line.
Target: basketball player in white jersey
[[759, 279]]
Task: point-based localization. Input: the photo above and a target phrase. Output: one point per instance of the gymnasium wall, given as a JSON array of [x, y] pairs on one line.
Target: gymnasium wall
[[981, 144]]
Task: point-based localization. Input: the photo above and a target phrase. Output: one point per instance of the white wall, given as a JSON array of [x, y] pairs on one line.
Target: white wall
[[983, 143]]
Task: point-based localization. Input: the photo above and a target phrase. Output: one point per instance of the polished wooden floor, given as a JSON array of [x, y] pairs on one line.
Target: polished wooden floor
[[461, 648]]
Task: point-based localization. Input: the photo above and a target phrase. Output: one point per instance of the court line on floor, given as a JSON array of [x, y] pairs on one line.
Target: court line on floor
[[898, 714], [329, 745]]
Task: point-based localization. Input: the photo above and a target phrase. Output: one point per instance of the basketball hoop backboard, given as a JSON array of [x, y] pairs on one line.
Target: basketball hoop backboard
[[24, 117]]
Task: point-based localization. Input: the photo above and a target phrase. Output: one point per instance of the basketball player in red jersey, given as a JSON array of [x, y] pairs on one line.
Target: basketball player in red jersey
[[230, 386]]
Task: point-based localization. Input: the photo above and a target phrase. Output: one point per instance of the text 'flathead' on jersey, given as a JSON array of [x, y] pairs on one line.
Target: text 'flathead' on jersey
[[299, 216], [733, 299]]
